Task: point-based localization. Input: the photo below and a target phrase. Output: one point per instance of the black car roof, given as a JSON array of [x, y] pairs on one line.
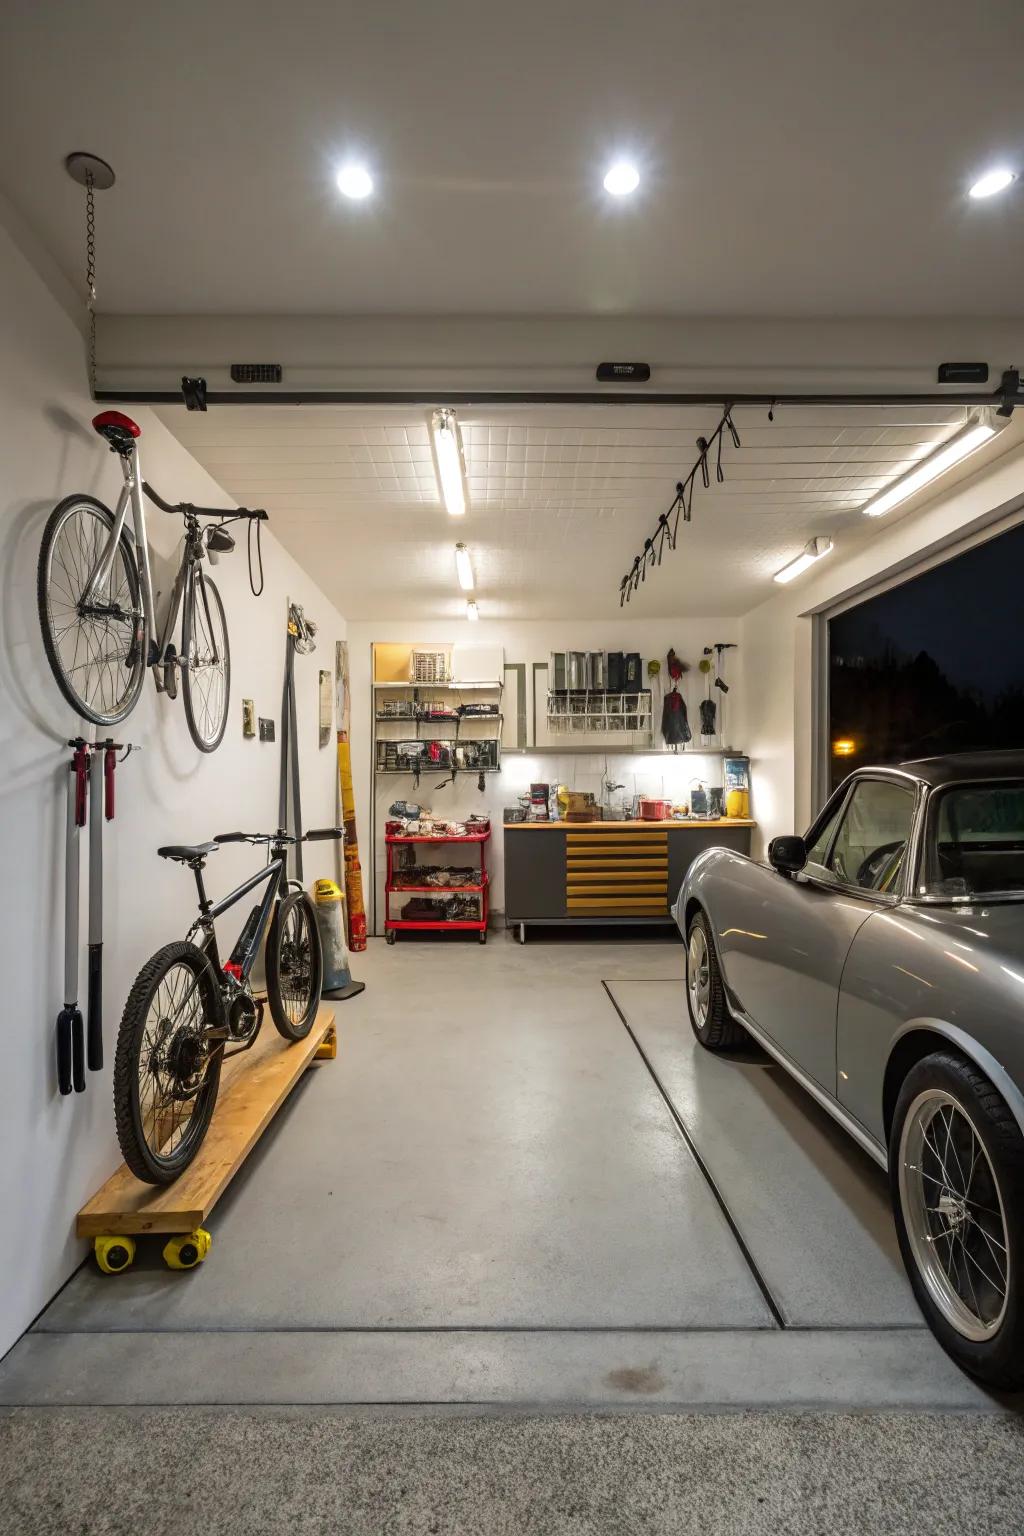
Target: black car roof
[[967, 765]]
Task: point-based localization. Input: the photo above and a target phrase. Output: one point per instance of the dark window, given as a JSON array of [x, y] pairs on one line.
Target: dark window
[[933, 666]]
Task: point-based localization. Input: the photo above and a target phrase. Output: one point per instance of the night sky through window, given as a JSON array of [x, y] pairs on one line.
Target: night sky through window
[[934, 665]]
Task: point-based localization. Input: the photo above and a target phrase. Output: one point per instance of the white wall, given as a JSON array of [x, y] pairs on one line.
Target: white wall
[[529, 642], [57, 1151], [776, 653]]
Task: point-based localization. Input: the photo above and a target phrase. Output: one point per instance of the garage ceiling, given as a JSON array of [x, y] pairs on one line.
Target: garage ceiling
[[560, 499], [798, 158]]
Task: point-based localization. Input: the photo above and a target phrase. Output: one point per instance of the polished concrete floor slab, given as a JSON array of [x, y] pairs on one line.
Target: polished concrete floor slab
[[812, 1207], [486, 1199], [609, 1368], [488, 1149], [310, 1472]]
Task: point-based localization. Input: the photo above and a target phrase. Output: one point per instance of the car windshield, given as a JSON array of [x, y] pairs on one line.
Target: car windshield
[[975, 843]]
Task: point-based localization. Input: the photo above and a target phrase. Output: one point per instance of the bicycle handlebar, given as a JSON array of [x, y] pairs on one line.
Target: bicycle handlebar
[[318, 834], [187, 507]]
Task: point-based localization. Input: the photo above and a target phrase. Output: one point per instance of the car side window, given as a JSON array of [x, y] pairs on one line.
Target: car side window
[[872, 841], [817, 850]]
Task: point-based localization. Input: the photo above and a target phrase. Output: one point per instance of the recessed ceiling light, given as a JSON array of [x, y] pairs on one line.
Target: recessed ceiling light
[[622, 178], [993, 182], [966, 441], [355, 181], [472, 611], [813, 550], [464, 567]]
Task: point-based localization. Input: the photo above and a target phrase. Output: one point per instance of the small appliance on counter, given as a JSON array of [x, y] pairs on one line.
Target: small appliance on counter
[[654, 810], [737, 786]]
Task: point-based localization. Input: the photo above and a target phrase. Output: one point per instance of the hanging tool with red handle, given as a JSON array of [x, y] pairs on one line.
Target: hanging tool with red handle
[[70, 1028], [91, 774]]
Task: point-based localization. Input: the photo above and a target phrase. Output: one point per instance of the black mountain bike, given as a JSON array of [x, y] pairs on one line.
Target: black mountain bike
[[97, 609], [187, 1011]]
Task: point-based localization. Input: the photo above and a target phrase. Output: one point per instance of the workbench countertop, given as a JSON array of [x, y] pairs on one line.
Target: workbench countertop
[[627, 826]]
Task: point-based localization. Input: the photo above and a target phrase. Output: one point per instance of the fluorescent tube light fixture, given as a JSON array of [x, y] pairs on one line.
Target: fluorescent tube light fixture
[[813, 550], [472, 611], [448, 450], [966, 441], [464, 567]]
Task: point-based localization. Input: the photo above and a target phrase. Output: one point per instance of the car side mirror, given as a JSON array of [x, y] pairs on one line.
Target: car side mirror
[[788, 855]]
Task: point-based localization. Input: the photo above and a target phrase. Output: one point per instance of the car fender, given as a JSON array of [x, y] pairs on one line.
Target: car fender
[[968, 1046]]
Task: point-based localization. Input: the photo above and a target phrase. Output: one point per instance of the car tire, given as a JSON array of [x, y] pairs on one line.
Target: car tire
[[705, 992], [956, 1170]]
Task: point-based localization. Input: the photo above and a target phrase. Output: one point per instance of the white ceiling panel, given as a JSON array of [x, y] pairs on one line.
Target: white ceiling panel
[[560, 499]]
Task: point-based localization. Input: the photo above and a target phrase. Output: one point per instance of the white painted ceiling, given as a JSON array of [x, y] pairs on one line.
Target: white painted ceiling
[[560, 499], [799, 157]]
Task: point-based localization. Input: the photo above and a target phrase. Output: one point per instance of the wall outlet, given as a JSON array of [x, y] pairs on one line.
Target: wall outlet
[[266, 729]]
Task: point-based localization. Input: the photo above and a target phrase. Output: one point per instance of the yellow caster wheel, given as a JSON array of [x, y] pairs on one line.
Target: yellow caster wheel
[[188, 1250], [114, 1253]]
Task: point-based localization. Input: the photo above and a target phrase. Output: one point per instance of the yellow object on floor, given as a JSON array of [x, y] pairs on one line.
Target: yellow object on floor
[[188, 1249]]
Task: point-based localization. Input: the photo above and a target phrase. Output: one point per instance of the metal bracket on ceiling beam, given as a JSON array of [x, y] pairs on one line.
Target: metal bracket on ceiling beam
[[1009, 393]]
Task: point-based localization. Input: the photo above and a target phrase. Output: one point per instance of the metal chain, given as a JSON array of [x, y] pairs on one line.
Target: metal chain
[[90, 273]]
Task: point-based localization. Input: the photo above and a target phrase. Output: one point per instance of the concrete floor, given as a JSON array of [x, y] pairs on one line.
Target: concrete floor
[[486, 1200]]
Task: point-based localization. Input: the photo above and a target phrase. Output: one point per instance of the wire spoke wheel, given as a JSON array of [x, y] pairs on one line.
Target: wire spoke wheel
[[954, 1214], [206, 664], [698, 975], [94, 641], [294, 966], [167, 1068]]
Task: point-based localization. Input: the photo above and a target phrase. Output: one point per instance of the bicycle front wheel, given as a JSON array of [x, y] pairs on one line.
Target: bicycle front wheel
[[295, 966], [167, 1067], [95, 643], [206, 663]]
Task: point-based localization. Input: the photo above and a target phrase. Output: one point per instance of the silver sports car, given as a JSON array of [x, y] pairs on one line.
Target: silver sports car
[[880, 960]]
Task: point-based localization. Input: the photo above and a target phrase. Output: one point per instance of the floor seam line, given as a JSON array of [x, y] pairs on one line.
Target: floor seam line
[[762, 1284]]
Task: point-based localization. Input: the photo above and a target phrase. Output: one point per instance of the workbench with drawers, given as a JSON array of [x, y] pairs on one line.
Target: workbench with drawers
[[608, 872]]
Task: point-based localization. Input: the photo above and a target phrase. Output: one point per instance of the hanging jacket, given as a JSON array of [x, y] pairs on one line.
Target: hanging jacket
[[675, 727]]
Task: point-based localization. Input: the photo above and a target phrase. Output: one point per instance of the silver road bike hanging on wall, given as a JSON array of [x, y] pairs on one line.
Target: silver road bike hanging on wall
[[97, 608]]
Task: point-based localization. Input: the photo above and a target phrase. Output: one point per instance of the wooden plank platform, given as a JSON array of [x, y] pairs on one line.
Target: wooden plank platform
[[253, 1087]]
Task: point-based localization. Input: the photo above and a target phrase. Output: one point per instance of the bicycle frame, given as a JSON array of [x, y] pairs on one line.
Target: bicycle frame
[[275, 874], [132, 496]]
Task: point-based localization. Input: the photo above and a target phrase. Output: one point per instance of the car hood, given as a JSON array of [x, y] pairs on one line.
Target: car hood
[[997, 929]]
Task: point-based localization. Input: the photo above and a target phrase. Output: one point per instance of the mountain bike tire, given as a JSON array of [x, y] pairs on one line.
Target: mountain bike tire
[[153, 1044], [115, 687], [206, 713]]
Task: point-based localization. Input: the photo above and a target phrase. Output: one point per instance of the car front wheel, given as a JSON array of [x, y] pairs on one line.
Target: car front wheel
[[705, 994], [956, 1168]]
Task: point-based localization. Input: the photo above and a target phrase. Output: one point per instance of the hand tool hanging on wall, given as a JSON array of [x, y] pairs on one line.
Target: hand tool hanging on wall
[[91, 773], [70, 1027], [723, 687], [101, 808], [708, 707], [301, 640]]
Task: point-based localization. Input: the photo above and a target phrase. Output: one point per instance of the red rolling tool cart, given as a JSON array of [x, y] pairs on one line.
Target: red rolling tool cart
[[395, 885]]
